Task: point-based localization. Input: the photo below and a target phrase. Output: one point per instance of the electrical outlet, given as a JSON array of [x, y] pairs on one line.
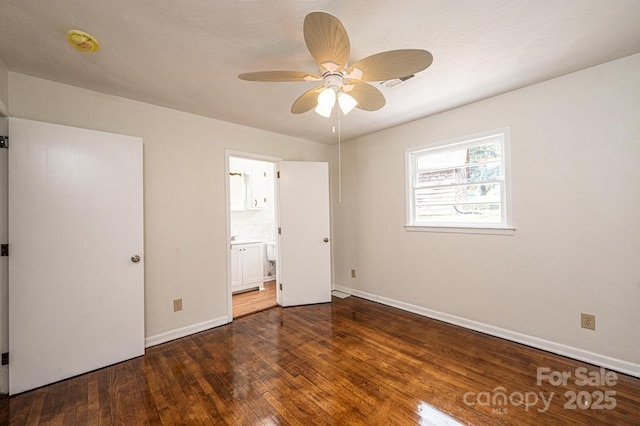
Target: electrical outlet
[[588, 321], [177, 305], [353, 273]]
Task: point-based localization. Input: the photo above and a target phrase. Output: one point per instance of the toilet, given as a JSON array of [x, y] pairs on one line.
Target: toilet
[[272, 252], [272, 255]]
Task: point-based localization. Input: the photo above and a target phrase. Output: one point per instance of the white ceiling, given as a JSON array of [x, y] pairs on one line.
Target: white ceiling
[[186, 54]]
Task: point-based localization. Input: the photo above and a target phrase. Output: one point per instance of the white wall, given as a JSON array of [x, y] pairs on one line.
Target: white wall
[[4, 89], [184, 172], [575, 144]]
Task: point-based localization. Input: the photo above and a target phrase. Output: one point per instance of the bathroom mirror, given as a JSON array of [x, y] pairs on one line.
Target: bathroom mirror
[[238, 191]]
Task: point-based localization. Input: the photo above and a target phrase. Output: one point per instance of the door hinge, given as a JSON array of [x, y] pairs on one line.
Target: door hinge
[[4, 249], [278, 174], [5, 358], [280, 286], [4, 141], [279, 231]]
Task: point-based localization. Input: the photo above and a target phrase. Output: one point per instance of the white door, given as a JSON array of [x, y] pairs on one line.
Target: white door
[[76, 297], [304, 248]]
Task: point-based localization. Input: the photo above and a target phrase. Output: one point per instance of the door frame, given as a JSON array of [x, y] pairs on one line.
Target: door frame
[[249, 156], [4, 262]]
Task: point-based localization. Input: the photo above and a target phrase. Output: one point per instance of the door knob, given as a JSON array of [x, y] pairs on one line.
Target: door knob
[[135, 258], [326, 240]]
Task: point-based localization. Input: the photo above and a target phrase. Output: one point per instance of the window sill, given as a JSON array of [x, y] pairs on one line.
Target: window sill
[[460, 230]]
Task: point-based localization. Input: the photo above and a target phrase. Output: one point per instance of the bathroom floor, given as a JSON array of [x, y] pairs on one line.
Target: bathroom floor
[[254, 301]]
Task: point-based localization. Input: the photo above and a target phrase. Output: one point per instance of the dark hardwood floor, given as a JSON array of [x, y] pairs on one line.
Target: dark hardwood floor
[[348, 362]]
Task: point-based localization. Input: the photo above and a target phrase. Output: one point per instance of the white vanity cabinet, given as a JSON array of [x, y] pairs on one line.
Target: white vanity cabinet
[[246, 266]]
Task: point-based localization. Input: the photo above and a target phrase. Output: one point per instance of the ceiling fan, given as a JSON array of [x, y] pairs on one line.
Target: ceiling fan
[[328, 43]]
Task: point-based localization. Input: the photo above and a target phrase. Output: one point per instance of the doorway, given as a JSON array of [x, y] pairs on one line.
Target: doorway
[[252, 229]]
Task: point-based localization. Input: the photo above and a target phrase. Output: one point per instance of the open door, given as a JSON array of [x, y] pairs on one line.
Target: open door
[[76, 274], [304, 267]]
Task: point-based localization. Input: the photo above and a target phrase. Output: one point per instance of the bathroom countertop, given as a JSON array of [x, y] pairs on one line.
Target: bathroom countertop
[[249, 241]]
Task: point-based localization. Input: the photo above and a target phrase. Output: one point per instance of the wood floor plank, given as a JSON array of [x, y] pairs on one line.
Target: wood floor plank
[[250, 302], [349, 362]]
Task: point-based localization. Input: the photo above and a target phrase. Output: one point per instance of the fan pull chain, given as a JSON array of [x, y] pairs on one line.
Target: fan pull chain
[[339, 160]]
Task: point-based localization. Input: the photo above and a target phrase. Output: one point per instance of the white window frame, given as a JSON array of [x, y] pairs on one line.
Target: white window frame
[[506, 227]]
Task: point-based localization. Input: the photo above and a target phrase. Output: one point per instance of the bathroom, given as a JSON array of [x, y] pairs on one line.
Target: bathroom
[[253, 234]]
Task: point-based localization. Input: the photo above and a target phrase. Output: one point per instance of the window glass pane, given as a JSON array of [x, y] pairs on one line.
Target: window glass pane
[[479, 173], [442, 160], [472, 194], [463, 213], [485, 153], [459, 184]]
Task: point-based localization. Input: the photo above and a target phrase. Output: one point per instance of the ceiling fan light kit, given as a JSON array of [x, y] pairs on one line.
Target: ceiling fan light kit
[[327, 98], [347, 102], [328, 43], [326, 101]]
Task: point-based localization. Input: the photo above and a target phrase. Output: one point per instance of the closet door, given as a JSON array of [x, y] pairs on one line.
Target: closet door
[[76, 283]]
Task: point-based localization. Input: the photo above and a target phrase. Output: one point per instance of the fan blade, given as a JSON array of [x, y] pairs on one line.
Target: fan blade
[[327, 40], [369, 98], [279, 76], [391, 64], [306, 101]]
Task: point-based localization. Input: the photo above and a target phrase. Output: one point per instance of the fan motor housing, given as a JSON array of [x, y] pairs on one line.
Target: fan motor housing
[[333, 79]]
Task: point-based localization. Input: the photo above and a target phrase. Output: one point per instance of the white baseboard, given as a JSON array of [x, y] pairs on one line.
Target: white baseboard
[[546, 345], [184, 331], [268, 278], [4, 380]]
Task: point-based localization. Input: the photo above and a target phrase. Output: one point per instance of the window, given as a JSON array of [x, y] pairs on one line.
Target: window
[[460, 185]]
